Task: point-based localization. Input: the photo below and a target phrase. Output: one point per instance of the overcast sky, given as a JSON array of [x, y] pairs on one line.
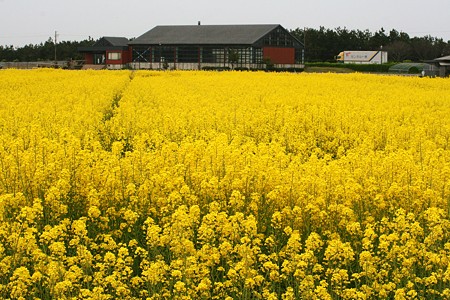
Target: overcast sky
[[34, 21]]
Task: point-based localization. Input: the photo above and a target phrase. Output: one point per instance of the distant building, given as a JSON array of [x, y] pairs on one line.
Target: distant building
[[111, 52], [439, 67], [201, 46]]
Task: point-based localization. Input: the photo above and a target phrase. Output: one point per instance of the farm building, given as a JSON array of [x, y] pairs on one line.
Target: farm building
[[439, 66], [111, 52], [203, 46]]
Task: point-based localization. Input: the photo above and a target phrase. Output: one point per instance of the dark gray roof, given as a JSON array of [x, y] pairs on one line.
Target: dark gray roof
[[204, 35], [106, 43], [440, 61], [112, 41]]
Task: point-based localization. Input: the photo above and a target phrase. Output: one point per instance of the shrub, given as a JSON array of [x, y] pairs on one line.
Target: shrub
[[356, 67], [207, 68], [413, 70]]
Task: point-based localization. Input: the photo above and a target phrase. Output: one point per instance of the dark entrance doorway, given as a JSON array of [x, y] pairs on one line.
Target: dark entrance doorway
[[99, 59]]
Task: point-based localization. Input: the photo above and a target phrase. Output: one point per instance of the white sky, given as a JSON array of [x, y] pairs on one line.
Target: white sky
[[34, 21]]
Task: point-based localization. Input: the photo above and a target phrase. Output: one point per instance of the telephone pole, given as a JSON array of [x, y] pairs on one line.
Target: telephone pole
[[304, 47], [56, 35]]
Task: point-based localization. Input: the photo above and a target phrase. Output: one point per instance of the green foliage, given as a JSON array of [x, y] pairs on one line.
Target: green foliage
[[241, 69], [289, 70], [273, 69], [269, 64], [355, 67], [65, 50], [216, 68], [322, 45], [233, 57], [414, 70], [165, 65]]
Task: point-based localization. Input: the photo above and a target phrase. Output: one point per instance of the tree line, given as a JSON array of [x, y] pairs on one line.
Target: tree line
[[65, 50], [323, 44]]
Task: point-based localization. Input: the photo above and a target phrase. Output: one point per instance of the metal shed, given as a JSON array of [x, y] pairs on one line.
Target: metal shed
[[440, 66]]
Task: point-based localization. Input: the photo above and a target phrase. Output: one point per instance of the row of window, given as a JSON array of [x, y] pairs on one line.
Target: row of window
[[198, 54], [248, 55], [278, 37]]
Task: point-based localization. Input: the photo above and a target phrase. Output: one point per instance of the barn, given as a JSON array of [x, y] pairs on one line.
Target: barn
[[110, 52], [190, 47], [215, 46]]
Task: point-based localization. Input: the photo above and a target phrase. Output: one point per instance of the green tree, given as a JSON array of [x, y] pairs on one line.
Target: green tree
[[233, 57], [399, 50], [65, 50], [322, 45]]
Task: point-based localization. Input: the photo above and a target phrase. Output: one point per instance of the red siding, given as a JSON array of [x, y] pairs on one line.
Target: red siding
[[89, 58], [125, 57], [279, 55]]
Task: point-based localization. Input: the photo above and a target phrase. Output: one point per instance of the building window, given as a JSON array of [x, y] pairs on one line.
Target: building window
[[218, 55], [114, 55], [188, 54], [257, 56], [167, 54], [142, 54], [278, 38]]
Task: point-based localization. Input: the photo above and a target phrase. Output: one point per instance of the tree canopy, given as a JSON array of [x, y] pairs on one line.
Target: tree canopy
[[65, 50], [324, 44]]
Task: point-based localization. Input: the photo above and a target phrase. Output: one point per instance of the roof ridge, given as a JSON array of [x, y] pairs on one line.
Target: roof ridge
[[204, 25]]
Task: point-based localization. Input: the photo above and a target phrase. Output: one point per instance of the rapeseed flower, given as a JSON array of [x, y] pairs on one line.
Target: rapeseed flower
[[231, 185]]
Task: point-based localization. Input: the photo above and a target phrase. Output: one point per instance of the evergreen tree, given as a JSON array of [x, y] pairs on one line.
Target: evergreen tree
[[324, 44]]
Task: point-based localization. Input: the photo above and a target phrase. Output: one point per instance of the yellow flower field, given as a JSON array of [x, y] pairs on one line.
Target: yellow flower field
[[206, 185]]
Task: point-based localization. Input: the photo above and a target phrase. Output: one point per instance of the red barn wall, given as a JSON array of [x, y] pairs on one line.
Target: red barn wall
[[89, 58], [125, 57], [279, 55]]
